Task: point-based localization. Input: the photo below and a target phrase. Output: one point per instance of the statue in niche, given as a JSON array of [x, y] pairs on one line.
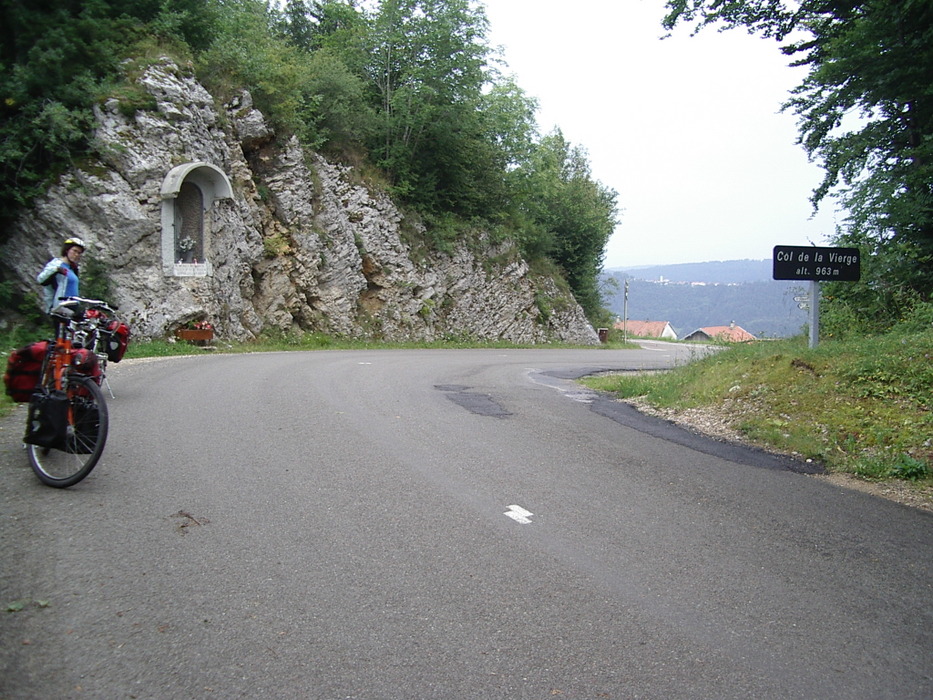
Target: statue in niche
[[189, 224]]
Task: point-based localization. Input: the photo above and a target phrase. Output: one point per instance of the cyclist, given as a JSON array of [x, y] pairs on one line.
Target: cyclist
[[59, 278]]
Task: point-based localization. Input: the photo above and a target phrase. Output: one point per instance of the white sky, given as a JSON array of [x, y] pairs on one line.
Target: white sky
[[687, 130]]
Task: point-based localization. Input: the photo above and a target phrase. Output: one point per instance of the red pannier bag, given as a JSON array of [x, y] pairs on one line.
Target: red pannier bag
[[22, 370], [85, 362], [118, 341]]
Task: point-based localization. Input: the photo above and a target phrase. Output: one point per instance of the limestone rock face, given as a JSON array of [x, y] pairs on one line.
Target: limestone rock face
[[300, 244]]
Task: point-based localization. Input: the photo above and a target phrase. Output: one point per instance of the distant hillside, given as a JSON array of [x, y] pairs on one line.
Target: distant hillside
[[717, 271], [694, 295]]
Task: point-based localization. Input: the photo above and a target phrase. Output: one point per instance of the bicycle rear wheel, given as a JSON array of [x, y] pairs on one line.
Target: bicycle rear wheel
[[87, 435]]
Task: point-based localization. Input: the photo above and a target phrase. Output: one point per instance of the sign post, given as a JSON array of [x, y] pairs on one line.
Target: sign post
[[816, 265], [814, 313]]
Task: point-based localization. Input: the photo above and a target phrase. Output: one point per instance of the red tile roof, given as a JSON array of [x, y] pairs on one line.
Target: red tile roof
[[729, 334], [643, 329]]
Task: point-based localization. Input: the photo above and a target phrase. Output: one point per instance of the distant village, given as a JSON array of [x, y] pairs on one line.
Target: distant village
[[663, 330], [733, 301], [662, 280]]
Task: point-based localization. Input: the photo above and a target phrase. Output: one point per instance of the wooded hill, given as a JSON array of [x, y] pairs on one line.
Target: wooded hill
[[694, 295], [409, 92]]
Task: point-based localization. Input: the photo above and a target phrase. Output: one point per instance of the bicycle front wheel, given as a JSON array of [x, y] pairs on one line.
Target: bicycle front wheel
[[87, 435]]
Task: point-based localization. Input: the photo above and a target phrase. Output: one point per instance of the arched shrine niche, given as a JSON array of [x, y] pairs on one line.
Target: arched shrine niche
[[188, 195]]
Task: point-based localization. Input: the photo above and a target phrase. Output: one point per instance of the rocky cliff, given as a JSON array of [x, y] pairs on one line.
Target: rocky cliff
[[287, 239]]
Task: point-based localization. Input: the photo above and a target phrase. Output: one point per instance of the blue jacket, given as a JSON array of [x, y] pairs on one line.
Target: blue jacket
[[55, 285]]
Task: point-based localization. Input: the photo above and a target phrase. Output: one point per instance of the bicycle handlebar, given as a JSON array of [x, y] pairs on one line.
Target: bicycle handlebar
[[93, 303]]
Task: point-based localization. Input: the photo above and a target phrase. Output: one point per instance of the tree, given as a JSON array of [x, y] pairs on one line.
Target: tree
[[428, 72], [56, 58], [247, 53], [510, 120], [573, 215], [52, 63], [298, 26], [344, 119], [329, 38], [866, 112]]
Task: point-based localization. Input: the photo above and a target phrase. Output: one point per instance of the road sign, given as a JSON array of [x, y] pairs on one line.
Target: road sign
[[816, 264]]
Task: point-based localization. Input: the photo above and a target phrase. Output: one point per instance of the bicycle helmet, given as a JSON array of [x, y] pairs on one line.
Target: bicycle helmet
[[75, 241]]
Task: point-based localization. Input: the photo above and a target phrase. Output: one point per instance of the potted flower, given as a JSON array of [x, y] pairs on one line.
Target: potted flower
[[196, 331]]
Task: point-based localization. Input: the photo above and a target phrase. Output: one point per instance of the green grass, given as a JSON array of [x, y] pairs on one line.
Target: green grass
[[279, 342], [864, 407]]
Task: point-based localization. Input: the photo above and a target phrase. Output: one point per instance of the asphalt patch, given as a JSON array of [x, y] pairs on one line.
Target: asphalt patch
[[479, 404]]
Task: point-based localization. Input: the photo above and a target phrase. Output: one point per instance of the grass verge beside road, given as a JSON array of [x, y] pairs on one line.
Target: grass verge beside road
[[863, 407]]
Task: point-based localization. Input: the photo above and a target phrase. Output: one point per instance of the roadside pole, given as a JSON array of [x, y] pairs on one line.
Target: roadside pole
[[814, 313]]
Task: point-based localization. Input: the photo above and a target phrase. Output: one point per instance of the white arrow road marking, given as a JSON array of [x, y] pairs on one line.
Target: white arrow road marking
[[519, 515]]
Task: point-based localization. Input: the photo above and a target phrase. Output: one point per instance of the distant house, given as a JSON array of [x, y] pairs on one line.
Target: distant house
[[723, 334], [646, 329]]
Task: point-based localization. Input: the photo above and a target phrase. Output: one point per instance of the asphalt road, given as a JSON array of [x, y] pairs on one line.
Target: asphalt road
[[444, 524]]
